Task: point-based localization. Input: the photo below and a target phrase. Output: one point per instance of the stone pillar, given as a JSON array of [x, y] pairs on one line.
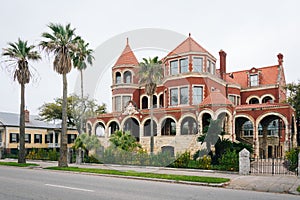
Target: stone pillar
[[79, 156], [244, 162]]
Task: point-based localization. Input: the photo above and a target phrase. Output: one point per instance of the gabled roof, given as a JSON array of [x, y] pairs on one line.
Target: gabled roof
[[188, 45], [216, 98], [13, 120], [127, 57], [268, 76]]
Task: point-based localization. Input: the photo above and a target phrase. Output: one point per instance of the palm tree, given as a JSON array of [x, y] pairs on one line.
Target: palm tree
[[150, 75], [81, 57], [61, 42], [18, 54]]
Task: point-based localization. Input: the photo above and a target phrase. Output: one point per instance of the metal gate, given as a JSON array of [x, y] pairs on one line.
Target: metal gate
[[272, 166]]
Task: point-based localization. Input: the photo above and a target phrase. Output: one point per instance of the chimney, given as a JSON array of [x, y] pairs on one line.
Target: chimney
[[222, 64], [26, 115], [280, 59]]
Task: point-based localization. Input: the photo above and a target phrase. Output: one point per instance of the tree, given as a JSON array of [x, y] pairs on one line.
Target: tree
[[53, 111], [81, 57], [294, 100], [151, 74], [61, 41], [124, 141], [17, 55]]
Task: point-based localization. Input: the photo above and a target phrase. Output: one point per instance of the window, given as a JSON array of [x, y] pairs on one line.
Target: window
[[71, 138], [197, 94], [38, 138], [27, 138], [208, 68], [174, 97], [184, 65], [248, 129], [253, 80], [127, 77], [232, 98], [174, 67], [118, 107], [238, 98], [273, 128], [13, 137], [253, 101], [118, 77], [197, 64], [213, 68], [125, 100], [184, 95], [49, 138]]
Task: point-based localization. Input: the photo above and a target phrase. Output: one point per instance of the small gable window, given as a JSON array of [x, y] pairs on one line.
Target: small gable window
[[254, 80]]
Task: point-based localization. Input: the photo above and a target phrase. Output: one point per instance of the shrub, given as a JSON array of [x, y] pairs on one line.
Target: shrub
[[229, 161], [292, 157], [204, 162], [182, 160]]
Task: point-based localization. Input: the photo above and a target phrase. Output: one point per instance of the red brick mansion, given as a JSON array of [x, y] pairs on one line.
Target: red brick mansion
[[192, 93]]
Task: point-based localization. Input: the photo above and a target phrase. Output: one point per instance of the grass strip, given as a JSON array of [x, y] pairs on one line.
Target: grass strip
[[18, 164], [174, 177]]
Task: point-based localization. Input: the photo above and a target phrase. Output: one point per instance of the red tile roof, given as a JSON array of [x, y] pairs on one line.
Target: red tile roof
[[268, 75], [127, 57], [216, 98], [188, 45]]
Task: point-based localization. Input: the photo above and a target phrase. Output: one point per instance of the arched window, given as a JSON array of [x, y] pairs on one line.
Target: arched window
[[145, 102], [118, 78], [168, 127], [253, 101], [154, 101], [133, 126], [161, 100], [127, 77], [189, 126], [147, 128], [100, 130], [267, 99], [113, 126]]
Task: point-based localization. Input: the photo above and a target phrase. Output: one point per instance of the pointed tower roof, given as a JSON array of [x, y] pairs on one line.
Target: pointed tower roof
[[188, 45], [216, 98], [127, 57]]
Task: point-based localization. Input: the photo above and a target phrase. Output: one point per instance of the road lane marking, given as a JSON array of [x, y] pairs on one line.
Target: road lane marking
[[71, 188]]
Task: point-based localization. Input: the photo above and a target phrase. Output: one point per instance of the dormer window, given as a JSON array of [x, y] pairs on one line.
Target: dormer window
[[254, 80]]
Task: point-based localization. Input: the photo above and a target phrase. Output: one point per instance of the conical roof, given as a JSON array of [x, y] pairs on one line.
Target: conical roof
[[188, 45], [127, 57]]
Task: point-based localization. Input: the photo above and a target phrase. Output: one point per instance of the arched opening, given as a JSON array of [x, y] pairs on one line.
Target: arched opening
[[145, 102], [267, 99], [154, 101], [118, 78], [113, 126], [168, 150], [272, 136], [244, 128], [189, 126], [161, 101], [133, 126], [127, 77], [254, 101], [205, 122], [168, 127], [147, 128], [100, 129]]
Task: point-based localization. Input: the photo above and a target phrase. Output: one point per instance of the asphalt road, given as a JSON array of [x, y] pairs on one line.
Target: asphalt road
[[19, 183]]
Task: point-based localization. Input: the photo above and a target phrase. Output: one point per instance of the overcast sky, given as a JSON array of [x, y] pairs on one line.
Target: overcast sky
[[251, 32]]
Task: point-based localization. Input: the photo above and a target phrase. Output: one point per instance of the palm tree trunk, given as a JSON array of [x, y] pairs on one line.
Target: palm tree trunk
[[81, 119], [22, 158], [63, 162], [151, 125]]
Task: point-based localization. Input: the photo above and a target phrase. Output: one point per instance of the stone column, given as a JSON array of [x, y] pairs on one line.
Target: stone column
[[244, 162]]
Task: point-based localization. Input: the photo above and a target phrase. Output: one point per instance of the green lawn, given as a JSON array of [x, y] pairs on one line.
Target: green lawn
[[145, 175], [18, 164]]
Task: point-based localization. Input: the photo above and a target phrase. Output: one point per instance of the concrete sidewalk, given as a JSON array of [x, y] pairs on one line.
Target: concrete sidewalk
[[264, 183]]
